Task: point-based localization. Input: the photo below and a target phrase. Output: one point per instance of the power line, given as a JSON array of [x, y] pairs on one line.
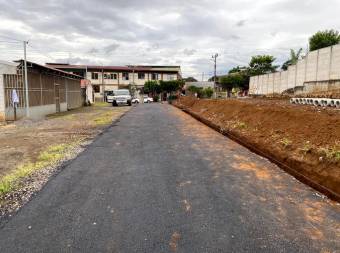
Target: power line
[[9, 38], [40, 52]]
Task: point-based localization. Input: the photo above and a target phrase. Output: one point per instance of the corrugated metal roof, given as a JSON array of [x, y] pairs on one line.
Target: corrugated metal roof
[[118, 68], [29, 63]]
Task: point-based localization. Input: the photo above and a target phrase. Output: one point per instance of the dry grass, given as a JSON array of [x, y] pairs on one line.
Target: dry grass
[[46, 158]]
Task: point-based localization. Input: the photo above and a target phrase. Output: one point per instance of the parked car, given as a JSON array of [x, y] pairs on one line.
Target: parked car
[[135, 101], [109, 96], [147, 99], [121, 96]]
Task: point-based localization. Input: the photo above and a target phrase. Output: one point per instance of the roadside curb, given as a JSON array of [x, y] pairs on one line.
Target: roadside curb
[[267, 154]]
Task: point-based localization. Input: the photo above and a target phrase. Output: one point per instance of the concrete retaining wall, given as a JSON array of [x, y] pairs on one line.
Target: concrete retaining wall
[[318, 72]]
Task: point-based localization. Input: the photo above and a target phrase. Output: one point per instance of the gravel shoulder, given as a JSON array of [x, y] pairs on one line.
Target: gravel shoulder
[[33, 151]]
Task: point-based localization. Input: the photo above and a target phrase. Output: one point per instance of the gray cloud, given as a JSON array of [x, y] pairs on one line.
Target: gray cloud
[[111, 48], [241, 23], [162, 32], [189, 51]]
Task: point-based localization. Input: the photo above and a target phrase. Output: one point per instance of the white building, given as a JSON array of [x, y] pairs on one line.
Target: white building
[[5, 68], [108, 78]]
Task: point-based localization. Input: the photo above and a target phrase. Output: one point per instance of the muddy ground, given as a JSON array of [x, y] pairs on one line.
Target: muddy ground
[[23, 141], [305, 138]]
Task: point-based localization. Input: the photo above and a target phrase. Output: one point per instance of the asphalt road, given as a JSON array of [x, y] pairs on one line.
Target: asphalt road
[[160, 181]]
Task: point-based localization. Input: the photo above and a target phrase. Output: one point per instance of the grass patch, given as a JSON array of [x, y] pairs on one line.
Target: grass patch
[[307, 148], [104, 119], [102, 104], [48, 157], [331, 153], [239, 125], [286, 142]]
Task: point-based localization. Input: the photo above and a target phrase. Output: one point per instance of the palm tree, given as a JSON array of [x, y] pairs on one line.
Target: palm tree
[[294, 57]]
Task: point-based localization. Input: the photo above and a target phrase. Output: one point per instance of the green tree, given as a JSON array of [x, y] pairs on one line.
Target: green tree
[[208, 92], [190, 79], [261, 64], [238, 69], [294, 57], [235, 80], [194, 89], [152, 87], [171, 86], [324, 39]]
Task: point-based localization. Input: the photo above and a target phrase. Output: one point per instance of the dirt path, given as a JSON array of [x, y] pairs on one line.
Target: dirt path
[[305, 138]]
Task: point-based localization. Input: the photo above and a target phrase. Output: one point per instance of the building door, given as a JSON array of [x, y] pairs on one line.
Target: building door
[[57, 96]]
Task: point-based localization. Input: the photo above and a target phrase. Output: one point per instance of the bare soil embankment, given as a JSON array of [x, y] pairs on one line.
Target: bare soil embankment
[[303, 140]]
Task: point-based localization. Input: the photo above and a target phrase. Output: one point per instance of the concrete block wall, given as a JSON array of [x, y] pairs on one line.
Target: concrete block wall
[[335, 63], [301, 72], [324, 62], [270, 83], [284, 81], [319, 71], [277, 82], [291, 76]]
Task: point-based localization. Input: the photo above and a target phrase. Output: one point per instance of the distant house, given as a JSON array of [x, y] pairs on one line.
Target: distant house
[[109, 78], [49, 90]]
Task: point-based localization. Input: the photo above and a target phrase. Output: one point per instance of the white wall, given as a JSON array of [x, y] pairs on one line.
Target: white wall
[[36, 112], [5, 68], [318, 71]]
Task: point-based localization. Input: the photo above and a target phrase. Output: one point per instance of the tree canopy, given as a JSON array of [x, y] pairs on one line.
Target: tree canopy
[[152, 87], [234, 80], [237, 69], [261, 64], [324, 39], [171, 86], [201, 92], [190, 79], [294, 57]]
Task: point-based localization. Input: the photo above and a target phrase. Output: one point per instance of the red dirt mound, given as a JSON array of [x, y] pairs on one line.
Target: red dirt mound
[[305, 139]]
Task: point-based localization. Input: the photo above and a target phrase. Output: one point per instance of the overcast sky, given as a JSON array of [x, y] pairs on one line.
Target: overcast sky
[[176, 32]]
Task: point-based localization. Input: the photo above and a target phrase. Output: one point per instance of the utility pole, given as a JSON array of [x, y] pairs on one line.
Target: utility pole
[[214, 57], [103, 84], [26, 82], [202, 76]]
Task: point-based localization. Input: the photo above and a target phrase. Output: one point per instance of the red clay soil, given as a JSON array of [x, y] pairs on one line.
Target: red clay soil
[[303, 138]]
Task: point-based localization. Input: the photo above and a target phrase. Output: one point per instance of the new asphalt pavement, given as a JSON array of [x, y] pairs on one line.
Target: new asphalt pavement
[[160, 181]]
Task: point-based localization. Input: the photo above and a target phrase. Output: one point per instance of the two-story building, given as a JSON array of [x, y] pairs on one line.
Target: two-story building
[[108, 78]]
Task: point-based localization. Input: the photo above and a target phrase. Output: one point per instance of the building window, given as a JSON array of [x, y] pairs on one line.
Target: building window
[[110, 76], [171, 77], [125, 76], [154, 76], [141, 76], [96, 88], [94, 76]]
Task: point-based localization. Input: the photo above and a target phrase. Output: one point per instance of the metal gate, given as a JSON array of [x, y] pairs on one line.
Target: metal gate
[[13, 82], [57, 96]]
